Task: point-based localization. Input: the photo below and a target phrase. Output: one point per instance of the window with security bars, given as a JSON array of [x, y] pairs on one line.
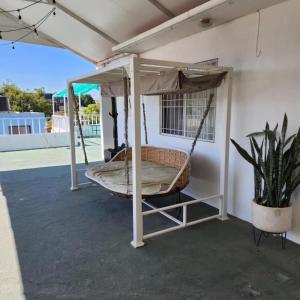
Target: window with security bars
[[182, 114]]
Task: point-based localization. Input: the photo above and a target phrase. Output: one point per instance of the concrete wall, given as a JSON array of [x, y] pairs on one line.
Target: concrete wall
[[33, 141], [264, 89]]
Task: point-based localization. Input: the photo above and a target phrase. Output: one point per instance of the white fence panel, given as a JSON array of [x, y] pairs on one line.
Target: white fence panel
[[60, 124]]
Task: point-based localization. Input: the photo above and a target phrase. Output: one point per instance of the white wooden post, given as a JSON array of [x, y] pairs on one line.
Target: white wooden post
[[53, 105], [65, 107], [74, 185], [226, 143], [79, 101], [137, 215]]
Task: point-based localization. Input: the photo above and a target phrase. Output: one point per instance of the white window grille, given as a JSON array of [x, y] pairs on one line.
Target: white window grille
[[181, 115]]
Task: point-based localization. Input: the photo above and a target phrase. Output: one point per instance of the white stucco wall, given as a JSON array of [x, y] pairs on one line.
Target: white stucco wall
[[264, 88]]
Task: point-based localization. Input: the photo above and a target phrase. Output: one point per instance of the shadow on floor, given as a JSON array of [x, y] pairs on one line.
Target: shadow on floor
[[75, 245]]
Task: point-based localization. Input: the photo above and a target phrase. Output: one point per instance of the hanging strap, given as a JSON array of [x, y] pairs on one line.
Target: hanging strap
[[76, 108], [199, 130], [145, 121]]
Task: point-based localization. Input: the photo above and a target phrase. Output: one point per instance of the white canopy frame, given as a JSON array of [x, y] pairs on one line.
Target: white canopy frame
[[135, 68]]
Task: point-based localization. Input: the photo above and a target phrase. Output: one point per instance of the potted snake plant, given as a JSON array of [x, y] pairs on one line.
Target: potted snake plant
[[276, 162]]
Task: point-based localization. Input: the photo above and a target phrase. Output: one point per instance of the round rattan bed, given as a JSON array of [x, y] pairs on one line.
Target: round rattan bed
[[164, 171]]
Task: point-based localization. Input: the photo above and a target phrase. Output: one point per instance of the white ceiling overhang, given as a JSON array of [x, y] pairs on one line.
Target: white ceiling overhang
[[94, 28], [217, 12]]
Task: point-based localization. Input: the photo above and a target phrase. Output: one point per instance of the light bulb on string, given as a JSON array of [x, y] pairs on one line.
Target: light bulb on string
[[13, 46], [54, 13], [36, 33], [19, 16]]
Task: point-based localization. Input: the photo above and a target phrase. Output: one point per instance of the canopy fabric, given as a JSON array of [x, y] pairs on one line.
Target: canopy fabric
[[167, 83], [79, 89]]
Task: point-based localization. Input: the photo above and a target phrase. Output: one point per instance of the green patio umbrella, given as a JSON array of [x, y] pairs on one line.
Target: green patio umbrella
[[79, 89]]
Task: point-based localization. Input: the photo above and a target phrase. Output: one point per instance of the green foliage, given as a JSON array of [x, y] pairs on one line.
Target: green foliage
[[276, 164], [21, 101], [86, 100], [92, 109]]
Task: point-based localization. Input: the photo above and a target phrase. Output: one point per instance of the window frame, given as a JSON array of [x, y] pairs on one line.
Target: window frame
[[186, 137]]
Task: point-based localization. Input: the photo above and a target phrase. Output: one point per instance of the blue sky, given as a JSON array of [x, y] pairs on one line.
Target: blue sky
[[32, 66]]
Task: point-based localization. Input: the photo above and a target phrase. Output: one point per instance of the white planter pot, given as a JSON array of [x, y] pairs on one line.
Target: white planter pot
[[271, 219]]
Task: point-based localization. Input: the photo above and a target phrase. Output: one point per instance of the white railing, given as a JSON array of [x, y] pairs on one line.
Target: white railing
[[60, 124], [90, 124], [92, 119], [18, 126]]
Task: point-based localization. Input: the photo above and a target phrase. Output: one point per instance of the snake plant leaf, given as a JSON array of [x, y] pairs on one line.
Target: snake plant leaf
[[245, 154], [255, 134], [288, 140], [284, 128], [257, 176], [276, 163], [275, 129]]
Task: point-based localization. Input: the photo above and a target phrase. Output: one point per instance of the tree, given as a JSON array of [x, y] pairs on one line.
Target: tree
[[86, 100], [21, 101], [93, 108]]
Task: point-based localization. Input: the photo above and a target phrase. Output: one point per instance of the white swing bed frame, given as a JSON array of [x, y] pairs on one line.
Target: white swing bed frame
[[135, 68]]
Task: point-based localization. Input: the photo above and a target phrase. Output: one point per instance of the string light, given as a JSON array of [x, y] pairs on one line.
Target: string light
[[54, 3], [18, 10], [36, 33], [33, 29], [19, 16]]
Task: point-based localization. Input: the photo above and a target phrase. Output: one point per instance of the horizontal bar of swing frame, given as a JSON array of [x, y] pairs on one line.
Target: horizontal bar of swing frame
[[184, 222], [191, 202], [119, 63], [85, 183], [144, 63], [163, 213], [193, 66], [156, 233]]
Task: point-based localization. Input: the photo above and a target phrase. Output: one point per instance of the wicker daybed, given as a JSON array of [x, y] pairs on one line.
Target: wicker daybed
[[164, 171]]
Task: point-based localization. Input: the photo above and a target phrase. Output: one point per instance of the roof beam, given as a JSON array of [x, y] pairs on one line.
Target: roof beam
[[79, 19], [85, 23], [162, 8]]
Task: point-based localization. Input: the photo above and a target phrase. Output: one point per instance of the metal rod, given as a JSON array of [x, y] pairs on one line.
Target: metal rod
[[156, 233], [184, 215], [150, 212], [203, 220], [163, 213], [150, 235]]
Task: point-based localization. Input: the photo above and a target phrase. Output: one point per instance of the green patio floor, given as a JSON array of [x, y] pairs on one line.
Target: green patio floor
[[49, 157]]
